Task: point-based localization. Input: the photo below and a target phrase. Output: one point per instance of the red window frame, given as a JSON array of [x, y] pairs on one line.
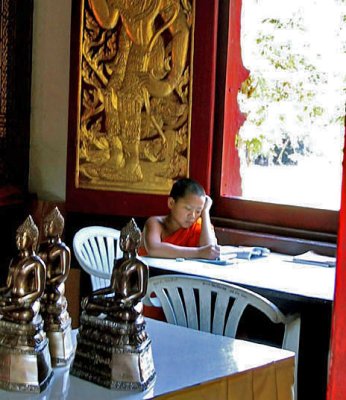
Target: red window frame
[[226, 189]]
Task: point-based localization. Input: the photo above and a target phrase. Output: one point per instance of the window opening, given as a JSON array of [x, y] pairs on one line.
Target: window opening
[[290, 145]]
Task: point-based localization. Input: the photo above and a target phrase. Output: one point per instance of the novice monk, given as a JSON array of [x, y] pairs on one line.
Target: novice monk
[[186, 231]]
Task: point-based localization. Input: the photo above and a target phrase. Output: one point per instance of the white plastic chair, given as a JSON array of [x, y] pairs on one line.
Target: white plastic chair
[[217, 307], [96, 248]]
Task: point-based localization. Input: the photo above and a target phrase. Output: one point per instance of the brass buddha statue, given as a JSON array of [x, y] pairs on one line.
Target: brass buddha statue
[[121, 300], [26, 363], [20, 298], [57, 257], [113, 327]]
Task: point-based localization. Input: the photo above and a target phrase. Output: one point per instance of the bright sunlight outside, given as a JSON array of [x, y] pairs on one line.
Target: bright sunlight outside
[[294, 99]]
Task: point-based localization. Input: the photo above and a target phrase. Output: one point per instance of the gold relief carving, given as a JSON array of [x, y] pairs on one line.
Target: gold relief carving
[[135, 94]]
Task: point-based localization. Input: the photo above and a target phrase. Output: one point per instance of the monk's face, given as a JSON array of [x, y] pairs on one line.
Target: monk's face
[[186, 210]]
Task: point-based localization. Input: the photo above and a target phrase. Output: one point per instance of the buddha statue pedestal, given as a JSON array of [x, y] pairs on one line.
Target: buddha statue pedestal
[[60, 342], [25, 363], [114, 354]]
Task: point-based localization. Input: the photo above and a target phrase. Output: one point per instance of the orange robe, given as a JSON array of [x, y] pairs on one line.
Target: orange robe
[[186, 237]]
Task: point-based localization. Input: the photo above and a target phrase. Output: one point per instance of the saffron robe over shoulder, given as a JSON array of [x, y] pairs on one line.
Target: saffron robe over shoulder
[[186, 237]]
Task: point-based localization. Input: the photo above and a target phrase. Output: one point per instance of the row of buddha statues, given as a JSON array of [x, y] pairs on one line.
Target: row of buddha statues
[[35, 326]]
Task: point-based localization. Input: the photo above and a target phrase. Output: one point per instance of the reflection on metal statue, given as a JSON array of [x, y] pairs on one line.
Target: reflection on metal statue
[[57, 257], [113, 348], [135, 94], [25, 359]]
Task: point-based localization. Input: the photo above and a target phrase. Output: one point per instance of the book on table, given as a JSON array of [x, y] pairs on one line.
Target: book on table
[[243, 252], [310, 257], [230, 253]]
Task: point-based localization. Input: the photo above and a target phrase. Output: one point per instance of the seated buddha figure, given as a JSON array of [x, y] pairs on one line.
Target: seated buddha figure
[[57, 257], [20, 298], [120, 301]]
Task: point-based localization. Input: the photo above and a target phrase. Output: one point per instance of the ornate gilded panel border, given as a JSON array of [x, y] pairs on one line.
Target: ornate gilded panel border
[[134, 94]]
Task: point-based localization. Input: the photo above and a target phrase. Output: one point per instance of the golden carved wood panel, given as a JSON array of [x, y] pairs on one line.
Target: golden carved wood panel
[[134, 94]]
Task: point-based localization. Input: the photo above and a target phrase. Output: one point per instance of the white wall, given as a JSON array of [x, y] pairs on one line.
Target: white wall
[[49, 98]]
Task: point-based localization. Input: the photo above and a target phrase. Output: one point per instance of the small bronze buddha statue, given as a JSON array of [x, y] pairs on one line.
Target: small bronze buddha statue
[[113, 327], [20, 298], [121, 300], [26, 364], [57, 257]]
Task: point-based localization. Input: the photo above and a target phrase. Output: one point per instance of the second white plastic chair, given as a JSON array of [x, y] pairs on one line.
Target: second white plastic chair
[[217, 307], [96, 248]]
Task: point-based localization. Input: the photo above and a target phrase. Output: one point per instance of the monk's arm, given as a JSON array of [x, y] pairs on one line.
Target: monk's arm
[[156, 248], [207, 232]]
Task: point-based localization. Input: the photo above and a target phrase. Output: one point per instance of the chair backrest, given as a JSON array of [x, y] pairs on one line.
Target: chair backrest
[[214, 306], [96, 248]]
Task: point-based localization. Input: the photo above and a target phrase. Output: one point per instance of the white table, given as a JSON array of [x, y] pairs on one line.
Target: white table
[[191, 365], [276, 273]]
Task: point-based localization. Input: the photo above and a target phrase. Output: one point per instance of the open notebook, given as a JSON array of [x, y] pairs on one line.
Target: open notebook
[[230, 253], [244, 252]]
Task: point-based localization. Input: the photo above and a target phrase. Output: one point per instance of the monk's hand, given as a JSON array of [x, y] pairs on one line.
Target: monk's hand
[[211, 251], [207, 205]]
